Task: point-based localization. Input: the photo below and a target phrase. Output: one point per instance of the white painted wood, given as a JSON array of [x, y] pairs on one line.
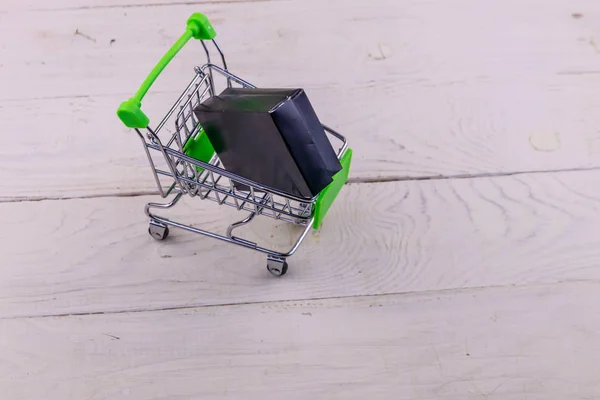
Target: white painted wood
[[502, 343], [93, 255], [420, 88], [409, 43], [63, 5], [77, 147]]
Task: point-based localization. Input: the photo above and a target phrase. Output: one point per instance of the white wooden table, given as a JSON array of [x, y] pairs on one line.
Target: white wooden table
[[461, 262]]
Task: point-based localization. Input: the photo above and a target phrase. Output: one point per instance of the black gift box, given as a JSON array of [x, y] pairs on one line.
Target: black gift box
[[271, 136]]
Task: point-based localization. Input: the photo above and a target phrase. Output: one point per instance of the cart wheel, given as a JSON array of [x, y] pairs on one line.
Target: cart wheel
[[277, 266], [157, 231], [278, 271]]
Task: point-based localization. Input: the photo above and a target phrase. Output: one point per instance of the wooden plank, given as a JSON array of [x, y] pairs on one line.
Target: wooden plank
[[94, 255], [409, 42], [10, 6], [504, 343], [276, 52], [76, 147], [506, 91]]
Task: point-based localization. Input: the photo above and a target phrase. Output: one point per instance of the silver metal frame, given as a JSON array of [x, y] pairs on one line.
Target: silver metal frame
[[208, 180]]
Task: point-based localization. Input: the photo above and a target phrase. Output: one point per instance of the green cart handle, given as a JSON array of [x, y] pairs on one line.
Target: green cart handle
[[130, 112]]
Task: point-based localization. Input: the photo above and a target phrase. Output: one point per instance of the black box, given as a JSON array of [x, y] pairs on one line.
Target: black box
[[271, 136]]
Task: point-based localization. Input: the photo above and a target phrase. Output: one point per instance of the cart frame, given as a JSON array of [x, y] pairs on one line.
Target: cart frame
[[187, 160]]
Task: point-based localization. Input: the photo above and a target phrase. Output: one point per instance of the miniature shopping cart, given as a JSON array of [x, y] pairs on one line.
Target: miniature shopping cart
[[179, 151]]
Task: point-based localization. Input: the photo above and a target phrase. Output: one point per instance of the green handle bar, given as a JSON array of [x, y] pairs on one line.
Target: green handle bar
[[130, 112]]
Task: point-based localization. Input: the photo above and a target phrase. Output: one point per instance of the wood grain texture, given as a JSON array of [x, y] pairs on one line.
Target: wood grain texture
[[420, 88], [10, 6], [84, 156], [94, 255], [407, 42], [434, 289], [504, 343]]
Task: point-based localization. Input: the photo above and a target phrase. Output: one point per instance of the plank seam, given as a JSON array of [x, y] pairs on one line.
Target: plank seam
[[351, 181], [324, 298], [468, 176], [144, 5], [90, 196]]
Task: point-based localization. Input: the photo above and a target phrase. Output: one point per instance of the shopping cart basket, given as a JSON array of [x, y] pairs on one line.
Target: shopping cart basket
[[178, 150]]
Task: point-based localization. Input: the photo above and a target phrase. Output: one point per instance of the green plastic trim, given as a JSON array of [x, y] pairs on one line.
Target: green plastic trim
[[201, 27], [329, 194], [129, 112], [200, 148], [160, 66]]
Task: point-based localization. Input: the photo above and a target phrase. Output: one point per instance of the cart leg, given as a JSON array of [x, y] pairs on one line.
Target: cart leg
[[305, 211], [277, 265], [157, 230]]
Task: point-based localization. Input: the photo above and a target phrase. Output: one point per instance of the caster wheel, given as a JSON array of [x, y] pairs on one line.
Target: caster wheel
[[158, 232], [276, 266], [278, 271]]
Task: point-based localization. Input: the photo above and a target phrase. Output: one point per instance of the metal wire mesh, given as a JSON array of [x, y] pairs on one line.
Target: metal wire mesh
[[210, 180]]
